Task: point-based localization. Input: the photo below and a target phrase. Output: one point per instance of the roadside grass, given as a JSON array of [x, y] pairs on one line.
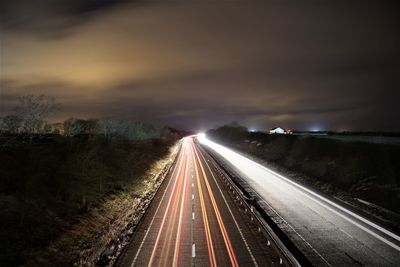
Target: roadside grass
[[63, 200]]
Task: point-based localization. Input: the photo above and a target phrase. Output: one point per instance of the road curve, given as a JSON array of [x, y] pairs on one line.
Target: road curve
[[326, 232], [194, 220]]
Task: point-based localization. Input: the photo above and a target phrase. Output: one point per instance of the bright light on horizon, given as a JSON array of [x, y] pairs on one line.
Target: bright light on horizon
[[201, 137], [315, 128]]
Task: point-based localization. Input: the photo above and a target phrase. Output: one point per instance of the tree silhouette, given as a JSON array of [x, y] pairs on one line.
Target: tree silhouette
[[33, 111]]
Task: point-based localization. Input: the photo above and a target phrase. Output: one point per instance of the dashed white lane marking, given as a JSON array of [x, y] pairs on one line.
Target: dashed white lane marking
[[233, 217], [193, 216], [193, 250], [192, 196], [192, 184]]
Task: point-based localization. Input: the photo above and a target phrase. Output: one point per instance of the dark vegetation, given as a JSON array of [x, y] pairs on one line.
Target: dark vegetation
[[366, 171], [351, 134], [45, 186], [51, 175]]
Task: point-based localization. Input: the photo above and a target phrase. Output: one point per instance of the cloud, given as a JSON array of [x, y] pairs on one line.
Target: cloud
[[199, 63], [52, 18]]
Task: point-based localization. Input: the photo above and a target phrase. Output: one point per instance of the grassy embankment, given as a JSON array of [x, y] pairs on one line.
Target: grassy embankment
[[369, 172], [63, 200]]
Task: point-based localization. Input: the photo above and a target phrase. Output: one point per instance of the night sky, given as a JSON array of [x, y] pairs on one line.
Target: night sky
[[310, 65]]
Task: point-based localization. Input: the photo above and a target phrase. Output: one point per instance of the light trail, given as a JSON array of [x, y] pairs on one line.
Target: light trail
[[166, 212], [187, 227], [178, 233], [260, 174], [230, 211], [171, 222], [158, 207], [170, 227], [225, 235], [207, 231]]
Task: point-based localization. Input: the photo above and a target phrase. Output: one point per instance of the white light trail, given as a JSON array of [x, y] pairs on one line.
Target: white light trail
[[259, 175]]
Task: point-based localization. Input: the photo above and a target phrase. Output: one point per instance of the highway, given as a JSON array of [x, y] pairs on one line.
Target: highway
[[327, 233], [195, 220]]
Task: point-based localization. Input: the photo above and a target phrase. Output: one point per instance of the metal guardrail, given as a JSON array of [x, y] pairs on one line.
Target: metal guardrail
[[288, 254]]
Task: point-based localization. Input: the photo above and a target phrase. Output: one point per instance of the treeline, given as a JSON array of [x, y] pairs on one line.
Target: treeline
[[114, 129], [230, 132], [30, 118]]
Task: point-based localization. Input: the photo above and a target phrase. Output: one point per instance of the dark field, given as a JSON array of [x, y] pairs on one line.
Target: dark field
[[366, 171], [47, 185], [361, 138]]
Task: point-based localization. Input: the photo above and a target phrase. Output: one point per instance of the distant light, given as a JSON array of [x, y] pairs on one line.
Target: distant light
[[315, 129], [201, 136], [252, 130]]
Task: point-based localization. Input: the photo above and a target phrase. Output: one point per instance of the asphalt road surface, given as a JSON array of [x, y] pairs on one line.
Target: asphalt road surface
[[194, 221], [328, 233]]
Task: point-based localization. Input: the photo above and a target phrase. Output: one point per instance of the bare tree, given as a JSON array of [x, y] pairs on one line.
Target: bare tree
[[48, 128], [109, 128], [11, 124], [34, 110], [74, 126]]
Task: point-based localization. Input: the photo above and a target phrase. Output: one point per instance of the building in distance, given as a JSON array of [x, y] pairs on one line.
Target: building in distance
[[279, 130]]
